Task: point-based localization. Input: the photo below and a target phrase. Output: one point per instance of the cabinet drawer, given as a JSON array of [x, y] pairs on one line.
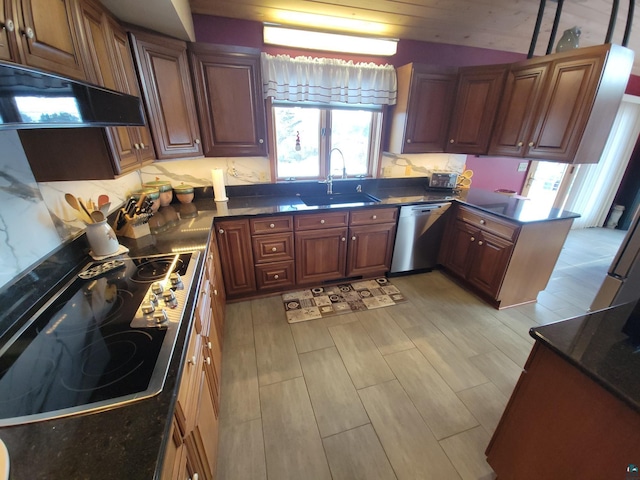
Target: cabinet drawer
[[321, 220], [373, 216], [274, 224], [273, 248], [275, 275], [489, 223]]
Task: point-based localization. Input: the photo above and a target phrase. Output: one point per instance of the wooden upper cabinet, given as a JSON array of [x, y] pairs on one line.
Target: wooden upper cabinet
[[46, 36], [7, 27], [474, 109], [420, 118], [228, 88], [163, 68], [515, 118]]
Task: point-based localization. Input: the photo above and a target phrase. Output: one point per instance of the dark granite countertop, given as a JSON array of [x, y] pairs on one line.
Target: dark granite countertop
[[129, 441], [597, 345]]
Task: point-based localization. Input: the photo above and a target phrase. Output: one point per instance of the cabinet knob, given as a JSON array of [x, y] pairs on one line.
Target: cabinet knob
[[343, 239], [192, 360], [531, 144], [141, 145], [136, 146], [274, 249], [483, 221], [28, 33], [452, 140], [215, 292], [480, 242], [208, 361], [374, 217], [9, 25], [272, 225], [209, 345], [353, 238], [221, 231], [197, 141], [322, 221], [261, 141], [276, 276], [520, 144], [408, 140], [195, 477], [473, 239]]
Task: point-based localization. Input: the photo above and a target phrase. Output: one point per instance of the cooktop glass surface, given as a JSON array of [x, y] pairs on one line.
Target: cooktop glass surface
[[80, 349]]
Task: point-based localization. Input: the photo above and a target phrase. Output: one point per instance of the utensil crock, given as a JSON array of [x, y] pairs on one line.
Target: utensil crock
[[102, 239]]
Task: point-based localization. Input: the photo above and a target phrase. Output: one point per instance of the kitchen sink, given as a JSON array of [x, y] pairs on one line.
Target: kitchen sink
[[338, 199]]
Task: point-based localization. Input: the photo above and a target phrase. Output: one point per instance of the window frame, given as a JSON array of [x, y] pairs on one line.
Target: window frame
[[374, 147]]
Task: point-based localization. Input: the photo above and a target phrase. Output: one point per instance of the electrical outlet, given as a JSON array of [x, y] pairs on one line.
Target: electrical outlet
[[522, 166], [407, 171], [235, 172], [388, 171]]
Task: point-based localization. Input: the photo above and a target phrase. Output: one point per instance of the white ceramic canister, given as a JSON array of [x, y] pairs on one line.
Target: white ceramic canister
[[102, 239]]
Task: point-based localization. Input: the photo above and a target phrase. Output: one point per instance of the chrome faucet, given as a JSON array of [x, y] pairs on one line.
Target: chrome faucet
[[344, 165]]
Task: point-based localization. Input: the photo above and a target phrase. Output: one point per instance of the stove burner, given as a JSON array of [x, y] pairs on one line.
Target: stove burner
[[150, 269]]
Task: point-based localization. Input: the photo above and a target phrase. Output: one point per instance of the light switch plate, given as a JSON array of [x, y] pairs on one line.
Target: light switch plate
[[522, 166]]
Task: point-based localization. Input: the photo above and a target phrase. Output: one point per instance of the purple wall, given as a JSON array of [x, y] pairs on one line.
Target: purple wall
[[492, 173]]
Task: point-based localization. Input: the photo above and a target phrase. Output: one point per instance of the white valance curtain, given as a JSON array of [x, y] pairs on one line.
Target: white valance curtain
[[328, 80]]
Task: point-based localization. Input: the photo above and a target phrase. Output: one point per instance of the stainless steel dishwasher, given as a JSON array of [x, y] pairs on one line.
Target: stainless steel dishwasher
[[420, 230]]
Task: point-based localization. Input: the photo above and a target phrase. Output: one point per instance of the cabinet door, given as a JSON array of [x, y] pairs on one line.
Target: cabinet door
[[566, 107], [489, 264], [47, 36], [429, 111], [475, 107], [516, 115], [370, 249], [461, 245], [7, 32], [203, 441], [174, 456], [218, 296], [187, 394], [236, 256], [321, 255], [168, 94], [228, 87]]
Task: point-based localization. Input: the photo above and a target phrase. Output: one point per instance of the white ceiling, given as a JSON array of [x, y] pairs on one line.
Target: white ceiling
[[496, 24]]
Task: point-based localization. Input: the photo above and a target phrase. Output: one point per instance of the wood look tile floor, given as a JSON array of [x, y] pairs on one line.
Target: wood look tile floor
[[412, 391]]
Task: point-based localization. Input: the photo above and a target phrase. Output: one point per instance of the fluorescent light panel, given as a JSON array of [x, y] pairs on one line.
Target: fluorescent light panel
[[332, 42]]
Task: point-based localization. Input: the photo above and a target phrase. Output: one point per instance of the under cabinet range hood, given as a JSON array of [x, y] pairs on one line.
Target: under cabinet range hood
[[31, 98]]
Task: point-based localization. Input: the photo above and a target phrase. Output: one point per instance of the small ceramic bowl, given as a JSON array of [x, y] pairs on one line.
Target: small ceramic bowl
[[184, 193], [164, 187]]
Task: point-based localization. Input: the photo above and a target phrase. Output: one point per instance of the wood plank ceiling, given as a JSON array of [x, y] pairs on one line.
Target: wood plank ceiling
[[496, 24]]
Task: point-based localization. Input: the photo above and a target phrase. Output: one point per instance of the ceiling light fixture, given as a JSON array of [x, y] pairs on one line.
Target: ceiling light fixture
[[331, 23], [331, 42]]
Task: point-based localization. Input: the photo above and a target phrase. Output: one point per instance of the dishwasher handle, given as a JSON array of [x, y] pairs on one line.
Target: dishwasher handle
[[418, 210]]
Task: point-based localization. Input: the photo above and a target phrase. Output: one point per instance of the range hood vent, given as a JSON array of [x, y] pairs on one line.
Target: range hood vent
[[34, 99]]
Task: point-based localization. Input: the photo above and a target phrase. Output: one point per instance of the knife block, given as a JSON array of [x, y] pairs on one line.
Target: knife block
[[132, 230]]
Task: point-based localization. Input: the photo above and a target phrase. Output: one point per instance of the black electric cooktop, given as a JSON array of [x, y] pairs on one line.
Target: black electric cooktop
[[99, 342]]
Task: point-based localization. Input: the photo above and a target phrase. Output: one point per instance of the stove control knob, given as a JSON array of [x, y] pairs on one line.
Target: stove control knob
[[157, 288], [170, 299], [176, 280], [160, 317], [148, 307], [153, 299]]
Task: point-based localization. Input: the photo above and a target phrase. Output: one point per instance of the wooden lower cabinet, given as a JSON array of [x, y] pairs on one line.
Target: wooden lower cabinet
[[193, 443], [560, 424], [370, 249], [321, 255], [506, 262], [236, 256]]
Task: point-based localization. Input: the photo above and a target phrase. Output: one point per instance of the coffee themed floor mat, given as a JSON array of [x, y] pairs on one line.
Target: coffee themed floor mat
[[319, 302]]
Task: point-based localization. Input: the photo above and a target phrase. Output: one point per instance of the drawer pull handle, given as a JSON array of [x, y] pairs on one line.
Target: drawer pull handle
[[276, 276], [142, 145], [408, 140], [192, 360], [274, 249], [322, 221], [353, 238], [374, 217], [520, 144], [480, 242], [10, 26], [197, 141], [482, 221], [136, 146], [272, 225], [343, 239], [215, 291], [28, 33], [473, 239], [208, 361], [209, 345], [531, 144], [452, 141], [261, 141]]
